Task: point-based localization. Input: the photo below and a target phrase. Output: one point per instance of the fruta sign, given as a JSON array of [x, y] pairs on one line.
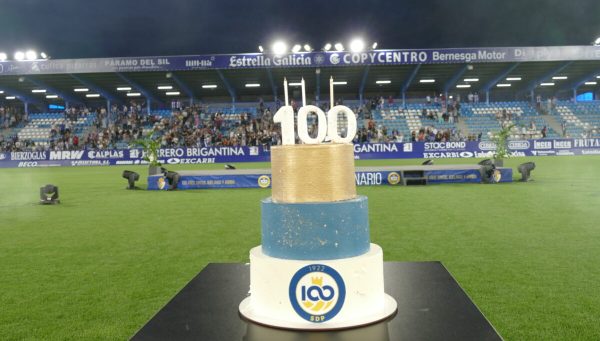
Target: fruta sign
[[326, 125]]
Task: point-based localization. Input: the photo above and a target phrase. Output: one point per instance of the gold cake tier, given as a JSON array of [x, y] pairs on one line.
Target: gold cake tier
[[312, 173]]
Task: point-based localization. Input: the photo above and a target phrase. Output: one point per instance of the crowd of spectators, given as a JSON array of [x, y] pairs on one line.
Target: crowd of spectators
[[202, 126]]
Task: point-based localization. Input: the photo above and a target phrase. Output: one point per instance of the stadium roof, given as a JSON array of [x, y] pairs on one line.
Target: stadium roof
[[371, 73]]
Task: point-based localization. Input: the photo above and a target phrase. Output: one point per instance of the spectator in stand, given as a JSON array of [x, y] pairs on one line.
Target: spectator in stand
[[544, 132]]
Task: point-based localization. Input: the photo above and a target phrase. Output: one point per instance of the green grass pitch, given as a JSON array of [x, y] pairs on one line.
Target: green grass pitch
[[105, 260]]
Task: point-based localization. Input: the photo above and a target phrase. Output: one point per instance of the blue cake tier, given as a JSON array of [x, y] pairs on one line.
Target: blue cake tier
[[310, 231]]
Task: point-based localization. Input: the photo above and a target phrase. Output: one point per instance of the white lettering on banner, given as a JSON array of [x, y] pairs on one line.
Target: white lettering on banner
[[467, 56], [17, 156], [487, 145], [66, 155], [562, 144], [214, 151], [171, 152], [261, 60], [444, 155], [586, 143], [590, 152], [445, 145], [27, 164], [175, 161], [364, 178], [376, 148], [198, 63], [90, 163], [542, 144], [105, 154], [519, 145]]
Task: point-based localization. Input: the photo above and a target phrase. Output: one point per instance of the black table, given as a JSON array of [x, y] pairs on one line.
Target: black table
[[431, 306]]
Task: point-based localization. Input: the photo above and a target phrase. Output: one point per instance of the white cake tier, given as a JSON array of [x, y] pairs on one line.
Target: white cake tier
[[317, 294]]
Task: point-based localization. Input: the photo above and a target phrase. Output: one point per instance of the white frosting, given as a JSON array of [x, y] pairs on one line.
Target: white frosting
[[362, 275]]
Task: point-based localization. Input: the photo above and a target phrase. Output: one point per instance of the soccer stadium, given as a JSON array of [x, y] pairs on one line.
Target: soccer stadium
[[301, 189]]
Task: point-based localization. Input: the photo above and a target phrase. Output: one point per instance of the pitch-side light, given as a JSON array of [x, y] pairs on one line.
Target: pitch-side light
[[525, 170], [131, 177], [49, 195], [172, 179]]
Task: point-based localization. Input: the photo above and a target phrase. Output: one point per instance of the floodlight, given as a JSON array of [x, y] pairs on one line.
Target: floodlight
[[339, 47], [279, 48], [296, 48], [229, 167], [31, 55], [513, 78], [124, 88], [327, 47], [383, 82], [374, 46], [131, 177], [172, 179], [597, 41], [252, 85], [81, 89], [92, 95], [164, 87], [133, 94], [172, 93], [427, 163], [51, 96], [357, 45], [427, 80], [307, 48], [38, 91], [560, 77], [209, 86], [503, 85], [49, 195], [591, 83], [463, 86], [3, 56], [547, 84], [260, 48], [43, 55], [19, 55], [10, 97], [525, 170]]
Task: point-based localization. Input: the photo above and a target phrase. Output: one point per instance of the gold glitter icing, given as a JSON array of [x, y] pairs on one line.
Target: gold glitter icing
[[312, 173]]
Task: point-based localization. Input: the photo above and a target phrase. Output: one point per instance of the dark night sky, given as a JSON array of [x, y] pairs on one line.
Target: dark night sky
[[108, 28]]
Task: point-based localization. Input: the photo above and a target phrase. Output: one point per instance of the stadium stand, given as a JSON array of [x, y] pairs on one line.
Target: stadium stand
[[251, 124]]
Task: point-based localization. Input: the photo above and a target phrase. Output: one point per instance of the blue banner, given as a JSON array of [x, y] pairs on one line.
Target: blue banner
[[201, 155], [308, 59]]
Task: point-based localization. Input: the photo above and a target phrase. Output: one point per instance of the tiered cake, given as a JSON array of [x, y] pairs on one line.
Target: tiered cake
[[316, 267]]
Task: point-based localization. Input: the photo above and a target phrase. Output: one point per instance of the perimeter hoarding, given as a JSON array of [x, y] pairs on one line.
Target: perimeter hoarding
[[308, 59], [201, 155]]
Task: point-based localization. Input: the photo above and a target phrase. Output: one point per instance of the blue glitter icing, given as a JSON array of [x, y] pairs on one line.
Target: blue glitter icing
[[313, 231]]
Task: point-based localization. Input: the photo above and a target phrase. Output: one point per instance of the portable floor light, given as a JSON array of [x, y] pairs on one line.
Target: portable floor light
[[172, 179], [131, 177], [49, 195], [525, 170]]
